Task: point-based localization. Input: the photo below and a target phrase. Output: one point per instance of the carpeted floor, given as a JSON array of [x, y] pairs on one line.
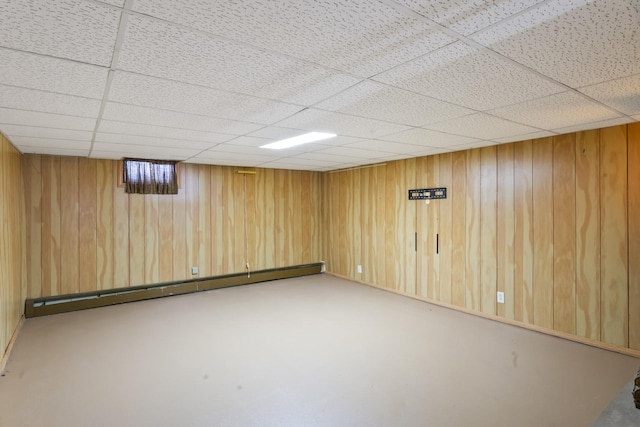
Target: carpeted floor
[[312, 351]]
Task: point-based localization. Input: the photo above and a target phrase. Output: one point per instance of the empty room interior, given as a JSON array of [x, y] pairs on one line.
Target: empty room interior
[[319, 213]]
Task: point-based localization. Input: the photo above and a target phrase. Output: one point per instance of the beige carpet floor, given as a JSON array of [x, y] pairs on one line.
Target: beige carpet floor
[[312, 351]]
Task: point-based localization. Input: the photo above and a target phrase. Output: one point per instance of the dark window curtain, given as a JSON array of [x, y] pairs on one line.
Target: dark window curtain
[[150, 177]]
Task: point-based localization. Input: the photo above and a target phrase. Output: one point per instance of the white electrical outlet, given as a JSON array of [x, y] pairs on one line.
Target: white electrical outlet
[[359, 269], [500, 297], [194, 270]]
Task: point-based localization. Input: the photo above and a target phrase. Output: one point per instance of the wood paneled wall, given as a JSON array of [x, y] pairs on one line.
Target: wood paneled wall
[[12, 242], [85, 233], [553, 223]]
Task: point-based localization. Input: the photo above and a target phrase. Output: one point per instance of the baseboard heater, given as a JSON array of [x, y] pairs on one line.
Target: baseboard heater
[[65, 303]]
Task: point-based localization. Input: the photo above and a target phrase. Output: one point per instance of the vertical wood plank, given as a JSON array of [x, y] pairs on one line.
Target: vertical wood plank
[[151, 238], [523, 235], [137, 239], [488, 224], [613, 233], [564, 233], [88, 223], [217, 222], [424, 286], [296, 217], [633, 163], [374, 225], [356, 223], [238, 256], [458, 228], [192, 234], [165, 239], [105, 184], [543, 232], [506, 230], [33, 199], [409, 224], [204, 220], [445, 215], [472, 221], [588, 234], [179, 242], [121, 237], [431, 214], [69, 274]]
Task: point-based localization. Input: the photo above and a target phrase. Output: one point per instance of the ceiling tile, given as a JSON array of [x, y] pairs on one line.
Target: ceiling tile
[[468, 16], [47, 102], [387, 146], [53, 151], [577, 42], [466, 76], [119, 3], [355, 152], [595, 125], [51, 74], [525, 137], [482, 126], [379, 101], [430, 138], [152, 142], [109, 126], [622, 94], [37, 132], [164, 50], [342, 124], [151, 92], [29, 141], [155, 117], [362, 37], [556, 111], [73, 29], [313, 161], [144, 151], [241, 150], [223, 162], [46, 120]]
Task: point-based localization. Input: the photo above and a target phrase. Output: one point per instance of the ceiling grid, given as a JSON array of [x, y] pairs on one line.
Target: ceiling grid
[[211, 82]]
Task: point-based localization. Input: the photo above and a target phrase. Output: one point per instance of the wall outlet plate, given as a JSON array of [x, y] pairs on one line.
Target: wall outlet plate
[[360, 269], [500, 297], [194, 270]]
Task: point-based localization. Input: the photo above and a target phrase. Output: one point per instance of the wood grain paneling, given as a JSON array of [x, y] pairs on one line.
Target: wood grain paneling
[[458, 195], [488, 225], [614, 276], [105, 180], [69, 220], [564, 233], [87, 224], [550, 222], [533, 219], [115, 239], [588, 234], [472, 226], [506, 230], [445, 229], [634, 234], [543, 233], [50, 226], [33, 202], [523, 236], [13, 237]]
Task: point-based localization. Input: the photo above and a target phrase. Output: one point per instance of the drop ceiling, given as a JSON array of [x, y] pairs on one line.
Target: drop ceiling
[[211, 81]]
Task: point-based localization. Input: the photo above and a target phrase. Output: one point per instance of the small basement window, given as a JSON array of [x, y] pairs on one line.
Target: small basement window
[[150, 176]]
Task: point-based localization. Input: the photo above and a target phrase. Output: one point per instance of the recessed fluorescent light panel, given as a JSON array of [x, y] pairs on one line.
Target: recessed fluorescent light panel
[[299, 140]]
